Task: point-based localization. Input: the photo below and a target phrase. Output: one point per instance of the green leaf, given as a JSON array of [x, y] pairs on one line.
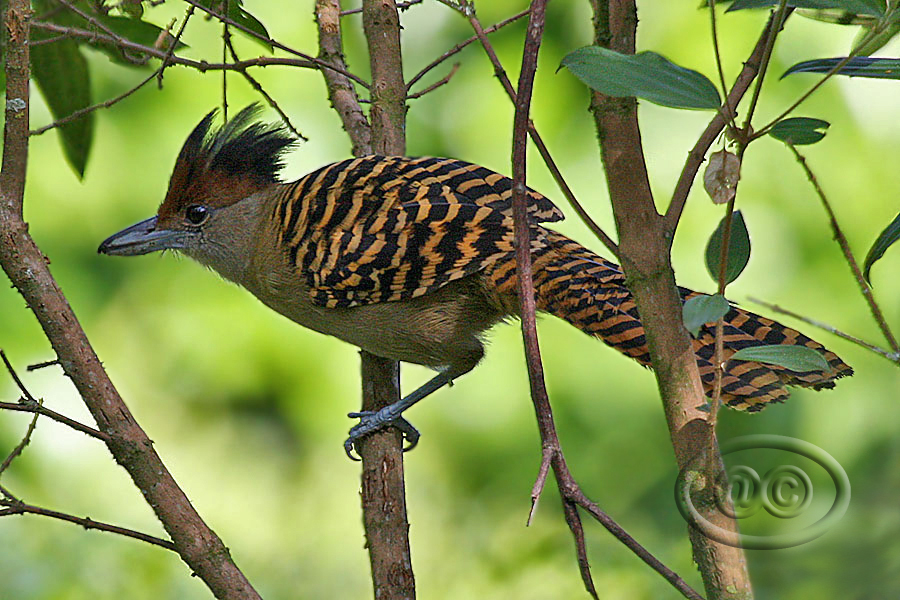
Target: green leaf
[[237, 14], [738, 249], [890, 235], [878, 41], [796, 358], [799, 130], [645, 75], [859, 66], [875, 8], [61, 74], [702, 309]]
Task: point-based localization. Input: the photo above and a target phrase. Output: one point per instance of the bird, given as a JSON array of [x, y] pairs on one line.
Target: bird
[[413, 259]]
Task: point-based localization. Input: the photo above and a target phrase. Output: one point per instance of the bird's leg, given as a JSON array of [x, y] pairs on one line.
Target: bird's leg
[[371, 421]]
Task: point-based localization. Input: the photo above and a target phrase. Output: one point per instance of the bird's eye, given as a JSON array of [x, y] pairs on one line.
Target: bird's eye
[[196, 214]]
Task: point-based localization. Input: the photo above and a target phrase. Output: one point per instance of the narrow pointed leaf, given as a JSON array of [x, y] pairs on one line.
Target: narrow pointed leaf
[[253, 24], [703, 309], [237, 14], [799, 130], [738, 249], [61, 74], [838, 17], [644, 75], [877, 42], [796, 358], [875, 8], [859, 66], [890, 235]]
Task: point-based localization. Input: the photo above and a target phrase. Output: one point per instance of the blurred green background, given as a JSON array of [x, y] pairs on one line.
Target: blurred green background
[[248, 410]]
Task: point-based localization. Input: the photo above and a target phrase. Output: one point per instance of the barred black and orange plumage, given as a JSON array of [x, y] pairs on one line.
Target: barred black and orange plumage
[[388, 228]]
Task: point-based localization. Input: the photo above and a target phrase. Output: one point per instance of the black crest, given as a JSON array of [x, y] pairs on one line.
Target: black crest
[[240, 148]]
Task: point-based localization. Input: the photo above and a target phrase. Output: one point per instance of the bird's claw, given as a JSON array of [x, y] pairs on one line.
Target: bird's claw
[[372, 421]]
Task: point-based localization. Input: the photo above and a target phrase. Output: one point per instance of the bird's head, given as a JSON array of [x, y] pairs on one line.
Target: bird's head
[[217, 172]]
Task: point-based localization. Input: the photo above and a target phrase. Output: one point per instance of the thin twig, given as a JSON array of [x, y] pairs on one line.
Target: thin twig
[[315, 61], [262, 92], [28, 403], [99, 25], [728, 113], [863, 41], [442, 81], [26, 439], [51, 40], [8, 495], [698, 153], [458, 48], [42, 365], [401, 6], [538, 488], [848, 254], [15, 377], [525, 284], [160, 73], [891, 356], [17, 507], [719, 352], [37, 408], [202, 65], [89, 109], [226, 41], [779, 17]]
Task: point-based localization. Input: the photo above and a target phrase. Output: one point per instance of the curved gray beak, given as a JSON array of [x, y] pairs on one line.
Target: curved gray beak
[[142, 238]]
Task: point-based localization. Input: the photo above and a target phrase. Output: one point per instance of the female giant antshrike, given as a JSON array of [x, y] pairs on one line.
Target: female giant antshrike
[[412, 259]]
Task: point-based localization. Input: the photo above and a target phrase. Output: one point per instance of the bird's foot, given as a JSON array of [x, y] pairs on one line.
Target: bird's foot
[[372, 421]]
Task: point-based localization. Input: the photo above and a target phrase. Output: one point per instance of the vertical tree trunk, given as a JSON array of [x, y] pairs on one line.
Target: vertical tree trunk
[[383, 490], [644, 250]]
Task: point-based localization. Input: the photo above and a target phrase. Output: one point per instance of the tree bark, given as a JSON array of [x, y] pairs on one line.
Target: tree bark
[[27, 268], [383, 488], [644, 251]]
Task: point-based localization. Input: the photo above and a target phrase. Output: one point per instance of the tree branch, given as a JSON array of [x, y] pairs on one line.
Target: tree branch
[[17, 507], [256, 85], [304, 61], [28, 403], [459, 47], [27, 269], [341, 92], [891, 356], [644, 252], [864, 286], [383, 486], [552, 452]]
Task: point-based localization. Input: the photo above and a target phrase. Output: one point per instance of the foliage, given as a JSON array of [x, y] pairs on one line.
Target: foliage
[[233, 396]]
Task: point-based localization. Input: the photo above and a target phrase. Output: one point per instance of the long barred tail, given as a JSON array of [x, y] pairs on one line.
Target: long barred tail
[[588, 291]]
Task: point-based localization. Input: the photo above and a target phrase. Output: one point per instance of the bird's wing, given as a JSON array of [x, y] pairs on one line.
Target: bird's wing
[[379, 229]]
